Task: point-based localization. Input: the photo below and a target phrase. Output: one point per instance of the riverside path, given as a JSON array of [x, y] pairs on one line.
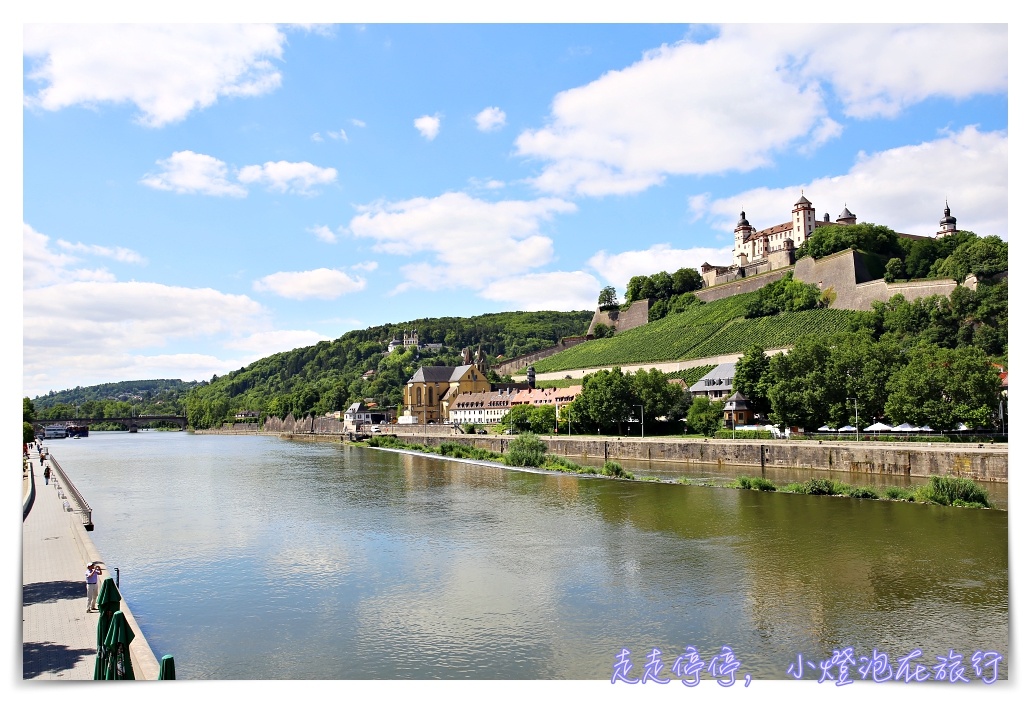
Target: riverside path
[[58, 635]]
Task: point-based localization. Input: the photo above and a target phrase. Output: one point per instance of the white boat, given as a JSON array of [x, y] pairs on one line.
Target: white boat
[[55, 431]]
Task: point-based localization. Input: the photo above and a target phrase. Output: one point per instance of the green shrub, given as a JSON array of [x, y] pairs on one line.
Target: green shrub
[[793, 487], [945, 490], [863, 493], [893, 492], [526, 450], [745, 482], [612, 469]]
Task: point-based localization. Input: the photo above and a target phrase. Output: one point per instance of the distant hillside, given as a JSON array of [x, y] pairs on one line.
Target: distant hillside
[[132, 391], [329, 376]]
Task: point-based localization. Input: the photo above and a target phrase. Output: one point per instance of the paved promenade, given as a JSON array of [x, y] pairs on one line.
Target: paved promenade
[[58, 635]]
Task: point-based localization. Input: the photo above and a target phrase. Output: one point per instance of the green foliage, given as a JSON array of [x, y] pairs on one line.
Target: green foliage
[[945, 490], [605, 399], [751, 378], [983, 258], [704, 416], [872, 238], [864, 493], [941, 387], [893, 271], [607, 300], [745, 482], [612, 469], [603, 331], [28, 434], [661, 286], [526, 450], [115, 400], [893, 492], [28, 410], [783, 295]]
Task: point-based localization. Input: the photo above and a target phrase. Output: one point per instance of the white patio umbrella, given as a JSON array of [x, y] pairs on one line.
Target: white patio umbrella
[[924, 428], [879, 426], [906, 427], [824, 428], [847, 427]]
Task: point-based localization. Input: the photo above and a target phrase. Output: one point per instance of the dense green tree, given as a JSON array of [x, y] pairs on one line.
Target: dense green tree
[[752, 378], [983, 258], [606, 399], [607, 297], [796, 394], [653, 390], [28, 433], [871, 238], [686, 280], [941, 387], [519, 418], [603, 331], [639, 287], [28, 410], [893, 270], [704, 416], [783, 295]]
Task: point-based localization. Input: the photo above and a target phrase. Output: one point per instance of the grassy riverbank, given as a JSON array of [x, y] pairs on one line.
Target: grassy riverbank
[[528, 451]]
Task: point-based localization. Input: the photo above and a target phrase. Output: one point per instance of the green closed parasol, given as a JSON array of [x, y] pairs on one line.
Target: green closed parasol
[[109, 601], [119, 636], [167, 671]]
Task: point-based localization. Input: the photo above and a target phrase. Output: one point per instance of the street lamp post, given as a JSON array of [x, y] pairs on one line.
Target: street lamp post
[[856, 416], [641, 420]]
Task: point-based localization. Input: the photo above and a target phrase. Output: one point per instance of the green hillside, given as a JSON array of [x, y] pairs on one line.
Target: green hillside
[[712, 329]]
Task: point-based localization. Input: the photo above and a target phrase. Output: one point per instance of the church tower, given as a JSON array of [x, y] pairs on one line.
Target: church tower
[[803, 220], [948, 223]]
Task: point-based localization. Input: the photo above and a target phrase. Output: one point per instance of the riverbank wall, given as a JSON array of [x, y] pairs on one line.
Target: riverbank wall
[[987, 464]]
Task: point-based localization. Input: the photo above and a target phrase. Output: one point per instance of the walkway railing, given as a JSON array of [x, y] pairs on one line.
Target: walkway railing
[[83, 506]]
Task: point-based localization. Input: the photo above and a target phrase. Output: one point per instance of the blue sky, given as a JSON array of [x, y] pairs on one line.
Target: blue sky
[[197, 198]]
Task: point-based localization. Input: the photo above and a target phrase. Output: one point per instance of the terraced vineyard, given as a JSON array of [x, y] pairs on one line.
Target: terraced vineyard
[[712, 329]]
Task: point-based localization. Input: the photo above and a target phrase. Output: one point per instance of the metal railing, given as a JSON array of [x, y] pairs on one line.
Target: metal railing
[[84, 508]]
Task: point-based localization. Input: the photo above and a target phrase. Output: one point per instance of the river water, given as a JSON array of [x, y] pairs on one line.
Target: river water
[[250, 557]]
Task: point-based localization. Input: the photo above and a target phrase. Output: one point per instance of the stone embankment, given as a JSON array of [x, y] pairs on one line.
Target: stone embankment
[[988, 463]]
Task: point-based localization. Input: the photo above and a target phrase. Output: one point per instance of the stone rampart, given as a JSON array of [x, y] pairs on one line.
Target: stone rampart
[[520, 362], [740, 285], [845, 274], [634, 316]]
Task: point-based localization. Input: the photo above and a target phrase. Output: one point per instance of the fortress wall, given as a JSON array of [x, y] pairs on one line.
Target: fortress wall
[[740, 285], [842, 272], [520, 362], [635, 316]]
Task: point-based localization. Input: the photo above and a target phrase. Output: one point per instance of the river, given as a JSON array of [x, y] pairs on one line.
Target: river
[[251, 557]]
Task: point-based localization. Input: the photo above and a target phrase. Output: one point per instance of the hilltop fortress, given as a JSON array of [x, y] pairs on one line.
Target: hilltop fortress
[[762, 256]]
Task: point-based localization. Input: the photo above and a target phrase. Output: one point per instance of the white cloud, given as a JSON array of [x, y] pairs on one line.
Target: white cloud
[[166, 70], [322, 283], [357, 123], [428, 126], [317, 137], [323, 233], [486, 184], [340, 135], [284, 176], [263, 344], [118, 253], [365, 266], [490, 119], [903, 188], [734, 102], [618, 268], [472, 242], [556, 290], [189, 172]]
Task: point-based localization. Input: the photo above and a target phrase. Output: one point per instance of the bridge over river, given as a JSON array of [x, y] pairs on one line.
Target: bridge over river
[[130, 423]]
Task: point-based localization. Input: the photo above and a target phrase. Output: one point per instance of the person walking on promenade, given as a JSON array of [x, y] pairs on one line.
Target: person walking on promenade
[[46, 475], [92, 576]]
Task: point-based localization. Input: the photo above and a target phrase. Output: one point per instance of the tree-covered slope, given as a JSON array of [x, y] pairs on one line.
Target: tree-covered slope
[[331, 375]]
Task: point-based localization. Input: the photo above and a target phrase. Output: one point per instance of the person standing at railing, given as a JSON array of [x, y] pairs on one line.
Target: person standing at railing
[[46, 475]]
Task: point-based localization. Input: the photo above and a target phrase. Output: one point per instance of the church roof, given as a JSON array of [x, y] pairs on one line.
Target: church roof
[[803, 201], [438, 374]]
